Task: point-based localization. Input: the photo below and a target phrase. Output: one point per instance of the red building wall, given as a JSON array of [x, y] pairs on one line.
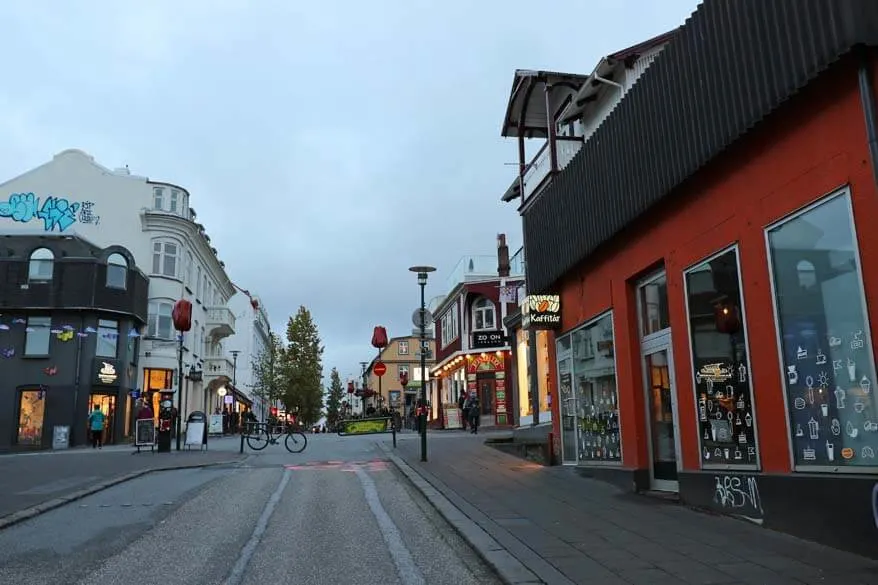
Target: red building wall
[[810, 147]]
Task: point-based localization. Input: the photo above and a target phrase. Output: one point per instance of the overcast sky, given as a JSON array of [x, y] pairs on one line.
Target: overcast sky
[[327, 145]]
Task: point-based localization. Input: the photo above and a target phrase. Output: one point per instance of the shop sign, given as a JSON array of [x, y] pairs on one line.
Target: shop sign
[[488, 339], [541, 312], [486, 362], [106, 372]]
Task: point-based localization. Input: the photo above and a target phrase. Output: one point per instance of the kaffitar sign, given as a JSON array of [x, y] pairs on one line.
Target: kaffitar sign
[[541, 312], [55, 213]]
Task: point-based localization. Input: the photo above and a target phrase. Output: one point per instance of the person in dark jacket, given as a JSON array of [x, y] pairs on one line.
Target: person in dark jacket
[[472, 408]]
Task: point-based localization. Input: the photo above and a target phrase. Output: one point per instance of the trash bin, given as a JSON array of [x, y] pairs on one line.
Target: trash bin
[[196, 430]]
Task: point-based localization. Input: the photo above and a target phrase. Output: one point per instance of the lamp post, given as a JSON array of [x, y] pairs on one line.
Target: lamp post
[[181, 315], [422, 272], [363, 389]]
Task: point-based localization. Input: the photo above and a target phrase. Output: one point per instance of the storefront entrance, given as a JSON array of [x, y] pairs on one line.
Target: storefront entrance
[[107, 405], [658, 376]]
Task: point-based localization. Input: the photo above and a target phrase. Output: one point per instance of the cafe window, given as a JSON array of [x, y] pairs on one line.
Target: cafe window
[[723, 394], [108, 338], [826, 353], [596, 397], [31, 416]]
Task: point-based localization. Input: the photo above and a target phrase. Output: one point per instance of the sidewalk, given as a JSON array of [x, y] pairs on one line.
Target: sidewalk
[[566, 529]]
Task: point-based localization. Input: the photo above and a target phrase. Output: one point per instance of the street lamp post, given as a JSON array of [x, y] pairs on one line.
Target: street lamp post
[[234, 353], [422, 272]]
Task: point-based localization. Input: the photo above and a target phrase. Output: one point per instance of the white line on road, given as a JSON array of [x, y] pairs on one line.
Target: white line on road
[[408, 571], [237, 573]]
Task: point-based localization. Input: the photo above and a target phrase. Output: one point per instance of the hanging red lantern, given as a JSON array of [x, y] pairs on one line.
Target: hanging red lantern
[[182, 315], [404, 378], [350, 387], [379, 337]]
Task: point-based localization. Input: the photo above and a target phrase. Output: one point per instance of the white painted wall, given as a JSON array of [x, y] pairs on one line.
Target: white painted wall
[[250, 339], [73, 194]]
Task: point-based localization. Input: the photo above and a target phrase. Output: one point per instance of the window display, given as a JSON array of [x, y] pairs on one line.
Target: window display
[[597, 403], [827, 357], [31, 415], [726, 423]]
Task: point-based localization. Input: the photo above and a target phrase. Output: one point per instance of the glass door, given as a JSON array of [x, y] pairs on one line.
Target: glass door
[[661, 416], [569, 428]]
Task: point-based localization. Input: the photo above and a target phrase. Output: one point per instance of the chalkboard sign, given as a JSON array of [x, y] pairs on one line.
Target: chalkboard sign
[[144, 433]]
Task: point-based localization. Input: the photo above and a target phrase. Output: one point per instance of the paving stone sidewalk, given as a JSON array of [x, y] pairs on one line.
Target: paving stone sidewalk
[[569, 529]]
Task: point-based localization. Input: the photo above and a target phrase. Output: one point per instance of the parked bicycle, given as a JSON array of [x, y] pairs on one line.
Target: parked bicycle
[[261, 435]]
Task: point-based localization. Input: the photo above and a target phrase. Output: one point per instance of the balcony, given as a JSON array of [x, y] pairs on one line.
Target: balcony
[[220, 322], [538, 172], [516, 263], [470, 268], [215, 366]]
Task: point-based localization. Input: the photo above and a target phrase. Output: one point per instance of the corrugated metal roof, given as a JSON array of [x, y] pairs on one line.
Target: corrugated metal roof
[[730, 65]]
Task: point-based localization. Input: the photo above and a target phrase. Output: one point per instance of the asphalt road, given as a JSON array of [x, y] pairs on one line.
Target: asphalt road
[[337, 513]]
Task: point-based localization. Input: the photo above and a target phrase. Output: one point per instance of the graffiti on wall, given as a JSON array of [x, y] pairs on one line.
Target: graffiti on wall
[[56, 213], [739, 495]]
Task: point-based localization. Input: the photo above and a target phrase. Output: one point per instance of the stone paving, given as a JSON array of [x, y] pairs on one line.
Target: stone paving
[[568, 529]]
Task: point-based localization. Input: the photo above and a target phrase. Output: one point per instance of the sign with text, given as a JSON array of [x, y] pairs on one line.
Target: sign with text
[[488, 339], [365, 426], [541, 312], [106, 372]]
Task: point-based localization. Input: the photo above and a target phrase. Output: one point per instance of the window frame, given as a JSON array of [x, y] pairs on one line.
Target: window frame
[[155, 316], [402, 344], [32, 262], [174, 201], [110, 270], [754, 410], [400, 368], [46, 323], [841, 191], [163, 256], [641, 305], [106, 326], [484, 306], [158, 198]]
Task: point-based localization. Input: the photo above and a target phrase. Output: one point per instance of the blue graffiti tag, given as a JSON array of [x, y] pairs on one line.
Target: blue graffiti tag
[[56, 212]]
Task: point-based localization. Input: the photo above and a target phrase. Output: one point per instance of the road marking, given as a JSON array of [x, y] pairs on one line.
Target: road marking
[[237, 573], [408, 571], [373, 465]]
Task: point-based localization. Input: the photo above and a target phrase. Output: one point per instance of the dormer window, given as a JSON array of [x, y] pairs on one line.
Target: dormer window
[[117, 271], [175, 198], [158, 198], [41, 265], [483, 314]]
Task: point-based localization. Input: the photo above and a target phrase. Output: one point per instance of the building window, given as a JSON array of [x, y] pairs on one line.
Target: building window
[[198, 283], [826, 353], [723, 395], [403, 348], [654, 306], [37, 335], [175, 197], [483, 314], [117, 271], [108, 338], [160, 322], [31, 416], [41, 265], [158, 198], [190, 264], [450, 326], [403, 369], [164, 258]]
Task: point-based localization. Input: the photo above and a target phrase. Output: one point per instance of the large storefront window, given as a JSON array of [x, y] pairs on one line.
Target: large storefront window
[[525, 403], [726, 422], [587, 388], [31, 416], [828, 364]]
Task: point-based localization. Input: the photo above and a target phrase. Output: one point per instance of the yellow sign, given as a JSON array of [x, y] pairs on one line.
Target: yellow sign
[[366, 426]]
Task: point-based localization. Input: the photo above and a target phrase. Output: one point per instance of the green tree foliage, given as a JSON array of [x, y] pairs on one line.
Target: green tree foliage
[[302, 368], [336, 392], [266, 367]]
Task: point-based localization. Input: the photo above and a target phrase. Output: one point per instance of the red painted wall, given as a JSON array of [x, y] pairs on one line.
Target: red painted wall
[[811, 146]]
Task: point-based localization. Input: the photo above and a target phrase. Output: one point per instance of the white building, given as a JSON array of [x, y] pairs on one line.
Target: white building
[[73, 194], [250, 340]]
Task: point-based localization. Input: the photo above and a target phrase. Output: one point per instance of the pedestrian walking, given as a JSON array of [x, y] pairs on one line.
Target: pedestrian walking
[[96, 425], [473, 409]]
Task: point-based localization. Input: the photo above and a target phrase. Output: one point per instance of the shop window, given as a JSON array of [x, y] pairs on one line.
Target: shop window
[[160, 322], [483, 314], [654, 306], [164, 258], [117, 271], [723, 394], [403, 348], [108, 338], [595, 394], [826, 352], [41, 265], [31, 416], [37, 336]]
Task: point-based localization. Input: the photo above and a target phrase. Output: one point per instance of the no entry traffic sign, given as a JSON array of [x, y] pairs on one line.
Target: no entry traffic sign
[[380, 369]]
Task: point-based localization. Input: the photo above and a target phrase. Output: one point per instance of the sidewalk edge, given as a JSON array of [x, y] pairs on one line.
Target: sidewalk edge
[[510, 570], [42, 508]]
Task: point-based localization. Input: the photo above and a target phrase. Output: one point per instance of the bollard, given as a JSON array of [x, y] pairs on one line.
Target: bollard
[[242, 444], [393, 431]]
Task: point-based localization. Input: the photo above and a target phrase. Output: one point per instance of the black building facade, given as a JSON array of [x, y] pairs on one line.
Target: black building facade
[[70, 321]]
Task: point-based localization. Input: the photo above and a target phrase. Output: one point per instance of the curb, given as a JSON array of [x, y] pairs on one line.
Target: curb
[[510, 570], [42, 508]]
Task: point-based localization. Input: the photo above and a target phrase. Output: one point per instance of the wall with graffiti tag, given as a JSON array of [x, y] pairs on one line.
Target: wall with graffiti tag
[[52, 213]]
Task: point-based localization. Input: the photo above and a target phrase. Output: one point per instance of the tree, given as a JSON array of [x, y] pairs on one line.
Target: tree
[[267, 379], [302, 368], [336, 392]]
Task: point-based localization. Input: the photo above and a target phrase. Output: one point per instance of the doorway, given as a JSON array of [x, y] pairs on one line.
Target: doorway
[[107, 404], [487, 387]]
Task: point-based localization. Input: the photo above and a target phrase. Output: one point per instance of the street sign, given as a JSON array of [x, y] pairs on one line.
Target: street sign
[[416, 318], [379, 369]]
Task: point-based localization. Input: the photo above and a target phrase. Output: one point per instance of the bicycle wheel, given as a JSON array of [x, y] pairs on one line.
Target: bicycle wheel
[[258, 439], [296, 442]]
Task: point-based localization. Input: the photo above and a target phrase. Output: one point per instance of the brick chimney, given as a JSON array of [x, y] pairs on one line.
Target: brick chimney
[[502, 256]]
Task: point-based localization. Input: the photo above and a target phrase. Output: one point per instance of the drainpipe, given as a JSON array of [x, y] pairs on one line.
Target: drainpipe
[[867, 97]]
